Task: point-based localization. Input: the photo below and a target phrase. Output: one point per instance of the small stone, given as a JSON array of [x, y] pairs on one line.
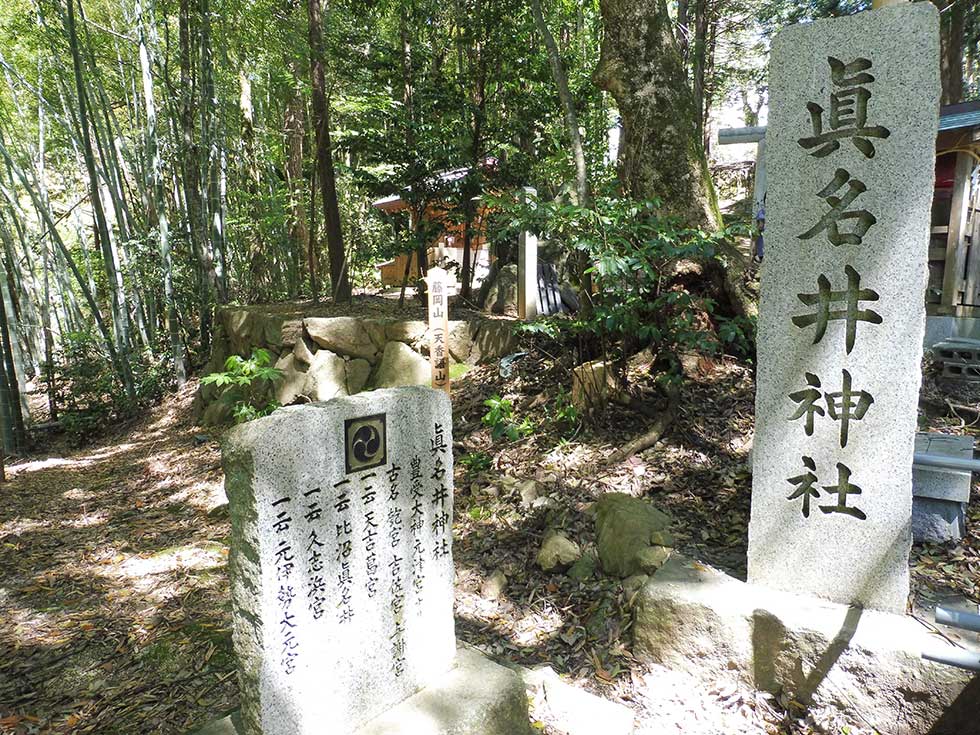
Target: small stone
[[585, 568], [663, 538], [635, 583], [494, 585], [652, 558], [545, 502], [529, 493], [557, 552]]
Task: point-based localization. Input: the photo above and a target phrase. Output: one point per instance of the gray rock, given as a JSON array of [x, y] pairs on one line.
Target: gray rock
[[409, 332], [576, 711], [937, 521], [494, 585], [652, 558], [584, 568], [881, 240], [863, 663], [501, 296], [478, 697], [302, 352], [352, 647], [292, 383], [493, 339], [401, 365], [343, 335], [557, 552], [460, 340], [529, 492], [625, 526], [326, 377], [593, 384], [358, 372]]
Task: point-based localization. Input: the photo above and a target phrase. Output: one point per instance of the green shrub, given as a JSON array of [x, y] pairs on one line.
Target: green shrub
[[244, 385], [500, 419]]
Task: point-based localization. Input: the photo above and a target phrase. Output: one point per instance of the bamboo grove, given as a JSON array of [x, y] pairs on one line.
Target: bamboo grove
[[160, 158]]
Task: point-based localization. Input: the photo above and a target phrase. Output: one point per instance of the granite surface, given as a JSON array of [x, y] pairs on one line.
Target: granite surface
[[341, 558], [850, 151]]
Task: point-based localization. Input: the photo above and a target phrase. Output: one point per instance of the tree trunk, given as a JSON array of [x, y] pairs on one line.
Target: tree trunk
[[147, 47], [951, 36], [339, 281], [661, 154], [660, 151], [567, 103], [295, 129], [119, 312]]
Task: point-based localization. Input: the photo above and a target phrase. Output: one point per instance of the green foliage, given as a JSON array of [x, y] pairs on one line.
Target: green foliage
[[638, 299], [564, 412], [738, 336], [476, 463], [88, 391], [245, 383], [501, 421]]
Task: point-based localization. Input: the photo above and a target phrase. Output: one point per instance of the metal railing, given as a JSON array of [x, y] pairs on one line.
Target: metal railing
[[959, 657]]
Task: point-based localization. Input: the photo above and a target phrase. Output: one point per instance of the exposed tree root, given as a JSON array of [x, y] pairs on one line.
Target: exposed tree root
[[650, 437]]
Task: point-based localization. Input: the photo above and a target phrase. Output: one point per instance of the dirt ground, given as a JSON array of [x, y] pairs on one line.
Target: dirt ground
[[114, 600]]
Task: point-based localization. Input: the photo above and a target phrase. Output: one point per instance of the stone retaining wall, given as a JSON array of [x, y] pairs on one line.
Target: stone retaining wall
[[325, 357]]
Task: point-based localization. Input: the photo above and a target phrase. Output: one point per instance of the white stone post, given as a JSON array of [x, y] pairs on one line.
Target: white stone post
[[527, 271]]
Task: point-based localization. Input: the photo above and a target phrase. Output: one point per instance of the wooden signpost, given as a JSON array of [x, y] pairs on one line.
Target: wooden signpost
[[438, 288]]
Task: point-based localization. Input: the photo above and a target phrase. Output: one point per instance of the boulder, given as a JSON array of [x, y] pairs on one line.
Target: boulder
[[625, 526], [461, 340], [401, 365], [557, 552], [217, 413], [501, 295], [358, 372], [292, 383], [409, 332], [302, 352], [327, 376], [238, 325], [493, 339], [342, 335], [866, 665]]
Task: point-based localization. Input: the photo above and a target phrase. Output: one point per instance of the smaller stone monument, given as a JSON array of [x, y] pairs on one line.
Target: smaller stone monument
[[341, 558]]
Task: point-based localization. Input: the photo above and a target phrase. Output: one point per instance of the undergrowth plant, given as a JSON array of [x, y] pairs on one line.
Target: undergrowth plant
[[501, 421], [245, 384]]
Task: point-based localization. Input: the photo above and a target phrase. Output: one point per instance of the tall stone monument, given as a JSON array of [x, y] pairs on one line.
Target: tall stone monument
[[850, 151], [341, 560]]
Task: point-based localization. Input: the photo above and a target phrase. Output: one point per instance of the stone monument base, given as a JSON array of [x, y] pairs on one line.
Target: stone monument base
[[863, 663], [476, 697]]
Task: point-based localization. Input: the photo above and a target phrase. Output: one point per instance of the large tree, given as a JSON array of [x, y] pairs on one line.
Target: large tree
[[660, 155]]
